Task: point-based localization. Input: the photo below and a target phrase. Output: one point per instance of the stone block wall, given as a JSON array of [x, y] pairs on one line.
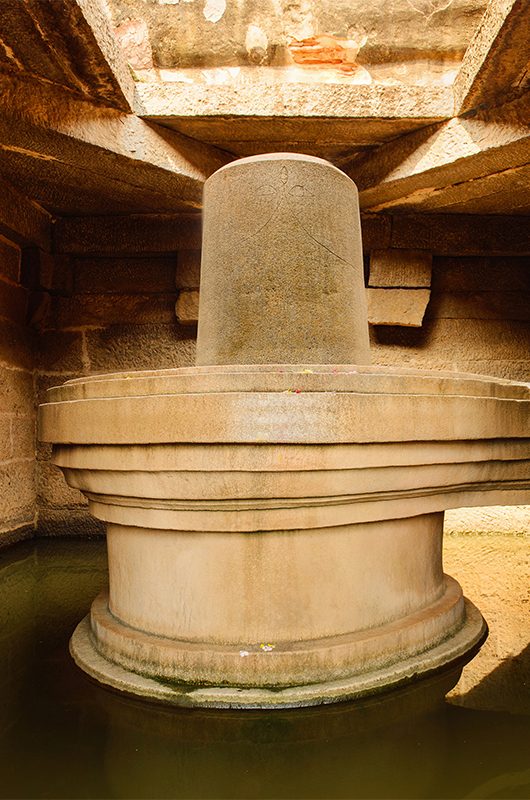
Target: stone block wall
[[104, 314], [17, 406], [477, 320]]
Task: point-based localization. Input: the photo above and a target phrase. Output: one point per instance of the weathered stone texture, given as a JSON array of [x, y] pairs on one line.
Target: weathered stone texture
[[21, 220], [53, 491], [127, 236], [17, 450], [23, 435], [124, 275], [16, 396], [509, 305], [326, 119], [88, 310], [376, 231], [399, 283], [16, 345], [400, 268], [60, 351], [499, 274], [53, 494], [88, 159], [6, 445], [488, 520], [187, 307], [467, 165], [441, 234], [462, 234], [473, 322], [68, 521], [70, 44], [495, 65], [282, 271], [397, 306], [202, 35], [125, 347], [55, 273], [17, 490], [450, 343]]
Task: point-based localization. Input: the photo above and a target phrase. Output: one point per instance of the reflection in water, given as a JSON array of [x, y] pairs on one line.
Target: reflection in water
[[63, 736]]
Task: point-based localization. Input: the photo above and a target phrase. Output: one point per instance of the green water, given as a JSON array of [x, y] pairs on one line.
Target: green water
[[63, 736]]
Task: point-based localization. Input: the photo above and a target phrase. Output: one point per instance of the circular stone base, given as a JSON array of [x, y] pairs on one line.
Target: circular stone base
[[454, 651]]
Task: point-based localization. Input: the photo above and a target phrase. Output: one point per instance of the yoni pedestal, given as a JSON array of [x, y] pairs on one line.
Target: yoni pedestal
[[275, 529]]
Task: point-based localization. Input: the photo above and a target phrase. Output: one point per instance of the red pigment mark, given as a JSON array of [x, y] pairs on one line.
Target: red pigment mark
[[326, 51]]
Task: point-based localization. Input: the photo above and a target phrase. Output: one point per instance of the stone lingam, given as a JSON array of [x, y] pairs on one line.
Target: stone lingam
[[274, 514]]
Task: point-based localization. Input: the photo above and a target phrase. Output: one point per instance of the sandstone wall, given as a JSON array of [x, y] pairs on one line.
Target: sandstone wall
[[118, 313], [477, 320], [104, 314], [17, 407]]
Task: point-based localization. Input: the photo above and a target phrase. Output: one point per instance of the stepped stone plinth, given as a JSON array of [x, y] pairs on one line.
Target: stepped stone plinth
[[274, 514]]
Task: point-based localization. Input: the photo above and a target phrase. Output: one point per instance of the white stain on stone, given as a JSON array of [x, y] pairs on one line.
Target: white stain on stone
[[256, 37], [214, 9], [256, 43]]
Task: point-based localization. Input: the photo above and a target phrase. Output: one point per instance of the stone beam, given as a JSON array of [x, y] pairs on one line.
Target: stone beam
[[334, 121], [22, 220], [441, 165], [52, 141], [70, 43], [92, 27], [159, 100], [496, 64], [440, 234]]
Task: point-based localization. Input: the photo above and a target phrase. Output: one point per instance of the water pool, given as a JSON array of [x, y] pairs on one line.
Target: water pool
[[64, 736]]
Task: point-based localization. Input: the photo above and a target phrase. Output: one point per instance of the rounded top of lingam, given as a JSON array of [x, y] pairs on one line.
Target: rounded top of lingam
[[282, 267], [270, 157]]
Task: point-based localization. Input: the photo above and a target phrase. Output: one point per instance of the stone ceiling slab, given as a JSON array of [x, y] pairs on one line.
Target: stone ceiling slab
[[450, 163], [70, 43], [76, 157], [496, 66]]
